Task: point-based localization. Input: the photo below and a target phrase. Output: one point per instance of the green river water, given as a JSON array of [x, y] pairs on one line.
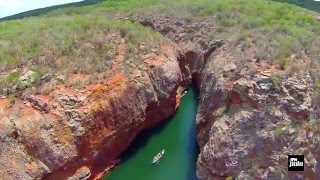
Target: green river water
[[176, 135]]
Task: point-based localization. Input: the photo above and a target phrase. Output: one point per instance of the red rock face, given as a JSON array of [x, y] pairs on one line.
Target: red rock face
[[80, 133], [235, 98]]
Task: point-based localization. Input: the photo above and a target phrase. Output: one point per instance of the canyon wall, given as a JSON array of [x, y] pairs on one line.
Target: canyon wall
[[248, 124], [80, 133], [252, 114]]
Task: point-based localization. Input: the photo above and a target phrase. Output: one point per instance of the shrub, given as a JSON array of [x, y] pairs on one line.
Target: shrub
[[276, 80], [282, 61], [13, 76], [46, 90]]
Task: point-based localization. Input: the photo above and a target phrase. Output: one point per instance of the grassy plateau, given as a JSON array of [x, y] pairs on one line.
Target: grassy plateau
[[84, 38]]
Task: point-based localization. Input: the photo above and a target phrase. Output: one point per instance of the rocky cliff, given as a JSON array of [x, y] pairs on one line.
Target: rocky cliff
[[259, 93], [251, 115], [79, 133], [248, 124]]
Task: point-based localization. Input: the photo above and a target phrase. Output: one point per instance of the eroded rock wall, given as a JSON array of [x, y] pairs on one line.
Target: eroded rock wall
[[251, 114], [80, 133], [248, 124]]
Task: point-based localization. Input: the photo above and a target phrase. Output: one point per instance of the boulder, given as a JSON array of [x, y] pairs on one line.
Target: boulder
[[28, 79]]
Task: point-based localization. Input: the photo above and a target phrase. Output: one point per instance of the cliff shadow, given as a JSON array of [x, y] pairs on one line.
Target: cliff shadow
[[193, 147], [142, 139]]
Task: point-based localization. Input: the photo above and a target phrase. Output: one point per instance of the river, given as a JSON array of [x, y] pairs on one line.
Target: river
[[177, 136]]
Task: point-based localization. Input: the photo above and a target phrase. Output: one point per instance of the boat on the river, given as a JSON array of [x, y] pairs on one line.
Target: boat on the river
[[157, 157], [184, 93]]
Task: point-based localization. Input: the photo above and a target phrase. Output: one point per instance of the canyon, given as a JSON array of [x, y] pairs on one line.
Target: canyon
[[252, 112]]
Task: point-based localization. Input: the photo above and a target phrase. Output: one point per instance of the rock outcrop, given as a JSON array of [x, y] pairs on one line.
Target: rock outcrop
[[251, 115], [247, 127], [78, 134]]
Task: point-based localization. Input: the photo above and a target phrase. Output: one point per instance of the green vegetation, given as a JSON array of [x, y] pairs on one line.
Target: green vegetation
[[63, 36], [46, 90], [275, 30], [84, 39], [107, 6], [13, 76], [65, 45], [276, 80], [279, 130]]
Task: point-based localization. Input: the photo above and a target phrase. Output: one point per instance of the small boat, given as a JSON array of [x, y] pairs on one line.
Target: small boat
[[157, 157], [184, 93]]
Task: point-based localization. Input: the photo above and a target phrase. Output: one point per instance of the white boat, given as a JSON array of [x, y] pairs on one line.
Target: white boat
[[156, 158], [184, 93]]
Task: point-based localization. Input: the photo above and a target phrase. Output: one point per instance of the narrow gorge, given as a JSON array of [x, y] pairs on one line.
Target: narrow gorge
[[126, 72]]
